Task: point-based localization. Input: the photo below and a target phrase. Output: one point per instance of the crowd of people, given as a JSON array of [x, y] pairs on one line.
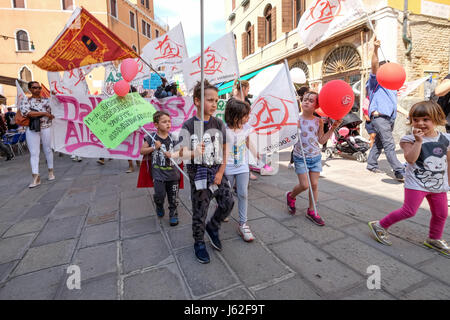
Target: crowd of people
[[217, 156]]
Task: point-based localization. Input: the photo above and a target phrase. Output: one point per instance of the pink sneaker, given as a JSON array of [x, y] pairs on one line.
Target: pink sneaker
[[290, 203], [268, 168], [314, 217]]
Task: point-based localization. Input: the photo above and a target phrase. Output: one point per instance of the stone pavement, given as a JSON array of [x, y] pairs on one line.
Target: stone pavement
[[94, 217]]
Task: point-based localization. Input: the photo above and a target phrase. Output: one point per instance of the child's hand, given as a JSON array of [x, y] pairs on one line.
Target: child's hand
[[157, 145], [218, 178], [418, 134], [336, 124]]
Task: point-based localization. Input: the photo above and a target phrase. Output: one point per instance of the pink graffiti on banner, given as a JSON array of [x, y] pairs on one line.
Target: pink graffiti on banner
[[168, 49], [214, 62], [270, 115], [324, 12]]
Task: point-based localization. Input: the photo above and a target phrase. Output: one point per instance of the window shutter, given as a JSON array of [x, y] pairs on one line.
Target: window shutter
[[244, 45], [261, 21], [274, 23], [286, 15], [252, 39]]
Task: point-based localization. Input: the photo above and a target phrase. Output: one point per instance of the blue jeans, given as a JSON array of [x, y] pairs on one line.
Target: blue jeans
[[384, 140], [242, 193]]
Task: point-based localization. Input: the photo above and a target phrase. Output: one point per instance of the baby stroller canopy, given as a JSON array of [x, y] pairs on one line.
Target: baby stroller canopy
[[350, 120]]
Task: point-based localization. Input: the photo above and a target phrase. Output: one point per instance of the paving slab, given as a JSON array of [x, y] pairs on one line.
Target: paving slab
[[311, 232], [431, 291], [135, 208], [204, 279], [25, 226], [100, 288], [13, 248], [40, 210], [235, 294], [327, 274], [46, 256], [269, 231], [163, 283], [145, 251], [438, 268], [395, 276], [60, 213], [40, 285], [293, 288], [180, 237], [137, 227], [98, 234], [58, 230], [96, 261], [5, 269]]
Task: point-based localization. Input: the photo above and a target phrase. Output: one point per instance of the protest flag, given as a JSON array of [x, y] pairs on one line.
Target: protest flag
[[20, 96], [84, 41], [45, 93], [409, 87], [274, 115], [168, 50], [220, 63], [323, 18]]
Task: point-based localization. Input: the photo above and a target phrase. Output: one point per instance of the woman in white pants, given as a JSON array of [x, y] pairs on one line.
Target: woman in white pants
[[38, 110]]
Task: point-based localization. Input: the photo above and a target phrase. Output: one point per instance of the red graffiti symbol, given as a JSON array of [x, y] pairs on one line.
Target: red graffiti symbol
[[168, 49], [214, 61], [268, 125], [324, 11]]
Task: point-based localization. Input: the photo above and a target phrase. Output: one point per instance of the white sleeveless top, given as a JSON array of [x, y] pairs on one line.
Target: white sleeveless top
[[309, 138]]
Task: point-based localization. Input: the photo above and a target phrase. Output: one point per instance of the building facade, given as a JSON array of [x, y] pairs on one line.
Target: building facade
[[29, 27], [265, 33]]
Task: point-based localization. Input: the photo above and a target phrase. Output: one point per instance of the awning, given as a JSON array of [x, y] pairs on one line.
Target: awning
[[228, 86]]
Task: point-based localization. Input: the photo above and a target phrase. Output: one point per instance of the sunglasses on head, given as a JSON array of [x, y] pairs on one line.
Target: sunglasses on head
[[36, 87]]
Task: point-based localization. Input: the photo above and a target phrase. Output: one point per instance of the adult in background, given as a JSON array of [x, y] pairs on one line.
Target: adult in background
[[38, 110], [10, 119], [443, 92], [3, 147], [382, 113]]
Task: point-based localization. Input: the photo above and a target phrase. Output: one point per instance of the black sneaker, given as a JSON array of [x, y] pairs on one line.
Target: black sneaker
[[200, 252], [214, 237], [399, 176]]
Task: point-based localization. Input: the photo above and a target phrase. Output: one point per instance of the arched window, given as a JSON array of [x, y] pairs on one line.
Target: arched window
[[248, 31], [268, 24], [341, 60], [25, 74], [22, 41], [301, 65]]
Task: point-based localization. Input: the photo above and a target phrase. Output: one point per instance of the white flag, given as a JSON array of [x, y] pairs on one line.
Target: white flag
[[168, 50], [220, 63], [20, 95], [409, 87], [274, 115], [326, 17]]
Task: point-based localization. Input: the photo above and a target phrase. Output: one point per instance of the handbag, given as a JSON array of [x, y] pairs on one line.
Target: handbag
[[21, 120]]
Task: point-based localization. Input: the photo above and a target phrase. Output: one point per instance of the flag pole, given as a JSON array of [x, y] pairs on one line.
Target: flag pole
[[150, 66], [374, 32], [202, 98], [299, 131]]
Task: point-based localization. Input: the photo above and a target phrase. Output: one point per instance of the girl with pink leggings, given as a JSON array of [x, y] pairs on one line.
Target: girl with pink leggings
[[427, 152]]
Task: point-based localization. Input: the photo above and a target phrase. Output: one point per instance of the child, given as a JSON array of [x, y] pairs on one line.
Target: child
[[312, 135], [206, 172], [427, 154], [236, 117], [166, 176]]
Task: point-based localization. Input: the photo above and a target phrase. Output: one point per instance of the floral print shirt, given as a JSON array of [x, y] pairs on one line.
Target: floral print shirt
[[39, 105]]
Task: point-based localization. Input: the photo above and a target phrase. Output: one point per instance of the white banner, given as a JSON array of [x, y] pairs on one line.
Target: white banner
[[20, 96], [409, 87], [220, 63], [71, 136], [326, 17], [73, 82], [274, 115], [169, 50]]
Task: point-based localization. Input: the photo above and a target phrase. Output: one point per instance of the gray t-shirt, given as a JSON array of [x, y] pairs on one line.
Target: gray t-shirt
[[162, 167], [429, 172]]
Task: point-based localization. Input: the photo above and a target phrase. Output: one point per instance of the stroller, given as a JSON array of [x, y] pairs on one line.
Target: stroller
[[347, 140]]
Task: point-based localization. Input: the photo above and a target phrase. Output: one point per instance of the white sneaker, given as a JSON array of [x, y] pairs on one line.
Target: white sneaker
[[245, 233], [291, 166]]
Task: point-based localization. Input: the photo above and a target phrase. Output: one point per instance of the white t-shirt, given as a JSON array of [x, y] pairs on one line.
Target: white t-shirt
[[429, 172], [237, 158]]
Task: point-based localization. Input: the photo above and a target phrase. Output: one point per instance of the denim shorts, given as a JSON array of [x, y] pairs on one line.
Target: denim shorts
[[314, 164]]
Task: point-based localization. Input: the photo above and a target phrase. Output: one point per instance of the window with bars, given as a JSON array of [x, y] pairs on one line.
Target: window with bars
[[67, 4], [132, 20], [113, 5], [19, 3], [341, 60], [299, 9], [146, 29], [23, 43]]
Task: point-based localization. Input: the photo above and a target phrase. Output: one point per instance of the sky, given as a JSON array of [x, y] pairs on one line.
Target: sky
[[188, 13]]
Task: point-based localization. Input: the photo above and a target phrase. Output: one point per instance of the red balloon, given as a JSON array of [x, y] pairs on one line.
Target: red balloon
[[320, 112], [121, 88], [391, 76], [336, 99], [129, 69]]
